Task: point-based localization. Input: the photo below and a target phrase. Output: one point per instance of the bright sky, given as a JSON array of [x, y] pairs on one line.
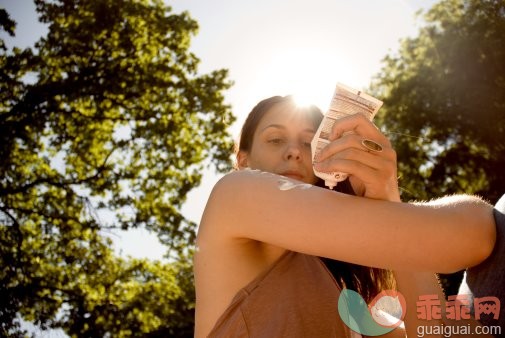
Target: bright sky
[[272, 48]]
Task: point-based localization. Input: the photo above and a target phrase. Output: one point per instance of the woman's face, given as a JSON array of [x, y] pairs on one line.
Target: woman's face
[[281, 144]]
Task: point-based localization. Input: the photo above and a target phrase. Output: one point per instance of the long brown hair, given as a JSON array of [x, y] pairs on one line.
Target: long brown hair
[[367, 281]]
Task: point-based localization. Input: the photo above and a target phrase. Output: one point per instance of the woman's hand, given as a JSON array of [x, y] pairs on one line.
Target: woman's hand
[[372, 173]]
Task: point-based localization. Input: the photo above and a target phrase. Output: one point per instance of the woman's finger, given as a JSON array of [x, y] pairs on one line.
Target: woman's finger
[[360, 125], [353, 141], [342, 161], [379, 181]]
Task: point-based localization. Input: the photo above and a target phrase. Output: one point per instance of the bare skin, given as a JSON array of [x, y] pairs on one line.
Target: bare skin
[[238, 242]]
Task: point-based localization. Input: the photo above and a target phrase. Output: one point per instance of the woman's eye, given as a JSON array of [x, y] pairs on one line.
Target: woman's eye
[[307, 144], [275, 141]]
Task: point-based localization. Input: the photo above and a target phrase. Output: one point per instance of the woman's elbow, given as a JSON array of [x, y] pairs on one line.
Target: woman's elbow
[[483, 231], [473, 231], [488, 243]]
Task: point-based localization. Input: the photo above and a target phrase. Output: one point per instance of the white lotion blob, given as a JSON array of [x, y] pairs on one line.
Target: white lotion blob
[[286, 184]]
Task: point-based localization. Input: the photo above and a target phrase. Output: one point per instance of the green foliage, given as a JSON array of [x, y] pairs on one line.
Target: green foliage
[[107, 115], [444, 102]]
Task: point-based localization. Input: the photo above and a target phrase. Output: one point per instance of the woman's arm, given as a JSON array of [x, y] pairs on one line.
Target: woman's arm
[[412, 285], [443, 236]]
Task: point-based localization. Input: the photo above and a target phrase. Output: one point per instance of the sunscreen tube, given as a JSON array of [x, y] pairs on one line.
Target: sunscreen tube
[[345, 101]]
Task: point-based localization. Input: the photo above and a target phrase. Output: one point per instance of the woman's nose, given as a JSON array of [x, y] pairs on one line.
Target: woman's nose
[[293, 151]]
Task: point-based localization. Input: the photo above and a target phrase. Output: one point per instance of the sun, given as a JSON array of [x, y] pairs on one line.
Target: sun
[[310, 75]]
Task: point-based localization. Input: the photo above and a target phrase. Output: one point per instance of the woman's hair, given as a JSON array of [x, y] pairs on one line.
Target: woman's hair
[[368, 282]]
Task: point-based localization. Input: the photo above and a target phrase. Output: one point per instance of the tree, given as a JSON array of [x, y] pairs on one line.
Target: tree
[[444, 102], [105, 124], [444, 105]]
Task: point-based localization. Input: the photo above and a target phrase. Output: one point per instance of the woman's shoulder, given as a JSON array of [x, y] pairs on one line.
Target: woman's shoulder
[[251, 183], [244, 176], [241, 203], [228, 188], [233, 177], [239, 188], [226, 198]]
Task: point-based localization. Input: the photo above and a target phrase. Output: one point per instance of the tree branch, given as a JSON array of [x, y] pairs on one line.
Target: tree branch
[[60, 184]]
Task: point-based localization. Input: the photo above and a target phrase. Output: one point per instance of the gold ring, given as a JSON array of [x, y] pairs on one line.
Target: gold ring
[[371, 145]]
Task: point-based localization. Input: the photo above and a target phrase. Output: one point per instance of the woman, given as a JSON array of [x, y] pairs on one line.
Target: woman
[[257, 270]]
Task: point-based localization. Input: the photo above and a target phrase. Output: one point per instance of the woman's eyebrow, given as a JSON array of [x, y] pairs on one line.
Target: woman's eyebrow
[[280, 126]]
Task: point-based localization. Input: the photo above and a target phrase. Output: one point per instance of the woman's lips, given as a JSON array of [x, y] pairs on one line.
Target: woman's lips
[[294, 175]]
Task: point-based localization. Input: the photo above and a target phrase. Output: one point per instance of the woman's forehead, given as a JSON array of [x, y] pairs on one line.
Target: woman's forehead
[[288, 115]]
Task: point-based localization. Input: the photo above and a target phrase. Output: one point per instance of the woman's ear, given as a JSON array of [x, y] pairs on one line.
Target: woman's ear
[[242, 159]]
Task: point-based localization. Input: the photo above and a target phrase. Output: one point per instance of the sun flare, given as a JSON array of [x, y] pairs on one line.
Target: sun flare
[[307, 74]]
